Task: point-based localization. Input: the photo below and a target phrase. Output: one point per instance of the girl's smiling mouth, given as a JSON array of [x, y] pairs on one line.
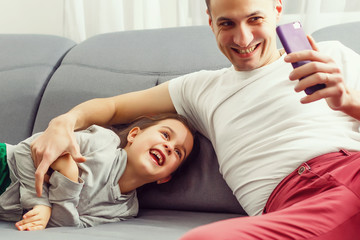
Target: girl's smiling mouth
[[157, 156]]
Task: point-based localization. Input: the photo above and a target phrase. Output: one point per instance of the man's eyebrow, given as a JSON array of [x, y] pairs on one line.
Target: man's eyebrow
[[247, 16], [223, 19], [255, 13], [174, 133]]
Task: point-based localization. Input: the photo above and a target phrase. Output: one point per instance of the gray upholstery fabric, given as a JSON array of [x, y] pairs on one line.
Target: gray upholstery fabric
[[26, 64], [347, 33], [150, 225], [111, 64], [115, 63]]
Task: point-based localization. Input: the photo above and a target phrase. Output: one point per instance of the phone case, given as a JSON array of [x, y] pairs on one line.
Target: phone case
[[293, 39]]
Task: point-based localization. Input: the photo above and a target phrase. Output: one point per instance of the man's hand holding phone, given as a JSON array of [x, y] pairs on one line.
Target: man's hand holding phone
[[293, 38], [320, 77]]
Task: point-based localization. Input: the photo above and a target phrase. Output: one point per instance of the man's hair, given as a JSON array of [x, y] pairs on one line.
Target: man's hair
[[208, 6], [209, 10], [144, 122]]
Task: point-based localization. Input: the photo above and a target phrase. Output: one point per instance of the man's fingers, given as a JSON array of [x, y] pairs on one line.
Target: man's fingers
[[312, 43], [75, 153], [36, 156], [79, 159], [39, 177], [47, 148]]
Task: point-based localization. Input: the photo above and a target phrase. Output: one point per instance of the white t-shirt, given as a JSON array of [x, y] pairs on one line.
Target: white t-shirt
[[259, 129]]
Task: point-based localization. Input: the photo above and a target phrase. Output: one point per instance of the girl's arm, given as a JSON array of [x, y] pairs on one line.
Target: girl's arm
[[64, 196], [38, 217], [67, 167]]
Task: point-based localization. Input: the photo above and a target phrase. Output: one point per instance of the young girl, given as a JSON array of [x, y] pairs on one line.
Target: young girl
[[102, 189]]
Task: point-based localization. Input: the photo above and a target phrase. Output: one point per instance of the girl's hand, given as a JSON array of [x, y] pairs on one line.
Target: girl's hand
[[35, 219]]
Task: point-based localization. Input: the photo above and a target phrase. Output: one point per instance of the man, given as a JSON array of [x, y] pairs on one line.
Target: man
[[266, 136]]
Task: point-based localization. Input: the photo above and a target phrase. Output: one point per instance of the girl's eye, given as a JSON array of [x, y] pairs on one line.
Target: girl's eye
[[166, 135], [178, 152]]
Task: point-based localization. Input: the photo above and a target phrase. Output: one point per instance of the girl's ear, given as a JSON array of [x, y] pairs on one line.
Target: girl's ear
[[164, 180], [132, 134]]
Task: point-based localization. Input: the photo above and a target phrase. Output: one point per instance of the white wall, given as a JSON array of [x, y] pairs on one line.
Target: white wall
[[80, 19], [31, 16]]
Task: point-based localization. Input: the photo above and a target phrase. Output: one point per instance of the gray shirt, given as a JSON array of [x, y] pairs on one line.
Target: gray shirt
[[96, 198]]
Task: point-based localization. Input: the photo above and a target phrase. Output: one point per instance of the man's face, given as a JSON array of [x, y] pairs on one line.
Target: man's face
[[245, 31]]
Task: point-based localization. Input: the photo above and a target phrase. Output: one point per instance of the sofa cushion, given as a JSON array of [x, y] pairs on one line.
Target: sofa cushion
[[150, 224]]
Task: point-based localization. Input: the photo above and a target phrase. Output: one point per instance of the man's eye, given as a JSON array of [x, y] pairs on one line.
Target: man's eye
[[256, 19], [226, 24]]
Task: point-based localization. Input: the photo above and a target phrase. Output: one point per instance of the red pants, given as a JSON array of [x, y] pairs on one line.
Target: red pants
[[319, 200]]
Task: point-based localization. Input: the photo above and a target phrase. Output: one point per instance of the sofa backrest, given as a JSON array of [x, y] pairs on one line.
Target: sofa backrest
[[347, 33], [120, 62], [26, 64]]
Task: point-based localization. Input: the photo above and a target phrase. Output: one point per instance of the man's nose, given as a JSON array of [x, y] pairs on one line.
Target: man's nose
[[243, 36]]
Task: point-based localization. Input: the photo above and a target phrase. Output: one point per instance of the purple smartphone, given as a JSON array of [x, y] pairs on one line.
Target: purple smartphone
[[293, 39]]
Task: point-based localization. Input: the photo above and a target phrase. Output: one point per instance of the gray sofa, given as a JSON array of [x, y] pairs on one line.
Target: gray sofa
[[44, 76]]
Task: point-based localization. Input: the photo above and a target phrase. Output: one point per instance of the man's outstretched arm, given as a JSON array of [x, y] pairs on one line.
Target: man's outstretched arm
[[59, 138]]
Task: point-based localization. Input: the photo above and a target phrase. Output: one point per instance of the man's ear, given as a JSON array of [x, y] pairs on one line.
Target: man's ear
[[132, 134], [278, 9], [210, 19], [164, 180]]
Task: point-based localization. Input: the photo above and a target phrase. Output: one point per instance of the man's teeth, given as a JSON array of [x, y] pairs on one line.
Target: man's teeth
[[160, 160], [249, 50]]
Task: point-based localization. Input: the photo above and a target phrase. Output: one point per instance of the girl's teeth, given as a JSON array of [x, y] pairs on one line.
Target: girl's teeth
[[158, 156]]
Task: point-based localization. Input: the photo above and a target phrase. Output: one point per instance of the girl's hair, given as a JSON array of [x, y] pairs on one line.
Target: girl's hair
[[144, 122]]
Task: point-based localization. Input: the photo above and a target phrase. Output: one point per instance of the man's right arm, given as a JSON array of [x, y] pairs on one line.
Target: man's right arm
[[59, 138]]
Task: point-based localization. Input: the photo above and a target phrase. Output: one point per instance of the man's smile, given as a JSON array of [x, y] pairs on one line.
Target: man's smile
[[245, 50]]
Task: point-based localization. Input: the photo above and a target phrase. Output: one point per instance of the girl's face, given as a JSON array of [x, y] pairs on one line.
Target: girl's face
[[157, 151]]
